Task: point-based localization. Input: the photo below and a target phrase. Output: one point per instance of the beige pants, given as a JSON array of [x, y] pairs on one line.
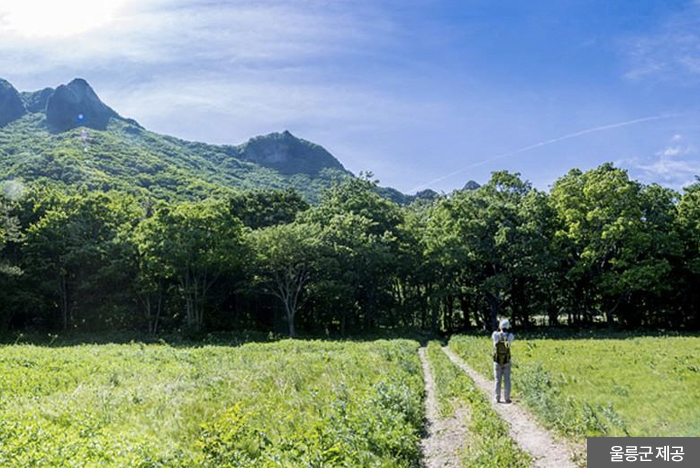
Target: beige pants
[[502, 372]]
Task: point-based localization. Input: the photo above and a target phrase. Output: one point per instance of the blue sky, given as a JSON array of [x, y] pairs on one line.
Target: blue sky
[[423, 93]]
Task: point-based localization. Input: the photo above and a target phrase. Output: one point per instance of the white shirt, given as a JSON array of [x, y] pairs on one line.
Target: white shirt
[[496, 337]]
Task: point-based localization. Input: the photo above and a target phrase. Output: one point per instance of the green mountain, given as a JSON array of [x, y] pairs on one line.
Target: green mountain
[[68, 136]]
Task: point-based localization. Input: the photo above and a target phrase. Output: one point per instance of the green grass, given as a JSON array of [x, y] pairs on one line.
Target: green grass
[[626, 386], [291, 403], [488, 444]]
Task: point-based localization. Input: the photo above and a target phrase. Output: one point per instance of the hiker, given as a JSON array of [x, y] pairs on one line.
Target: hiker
[[502, 340]]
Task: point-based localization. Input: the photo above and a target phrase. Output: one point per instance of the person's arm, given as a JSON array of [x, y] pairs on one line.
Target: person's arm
[[511, 337]]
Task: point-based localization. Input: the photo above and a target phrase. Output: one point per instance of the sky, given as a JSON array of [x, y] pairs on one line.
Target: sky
[[422, 93]]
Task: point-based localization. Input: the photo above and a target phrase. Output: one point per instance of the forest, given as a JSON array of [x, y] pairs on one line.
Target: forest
[[597, 249]]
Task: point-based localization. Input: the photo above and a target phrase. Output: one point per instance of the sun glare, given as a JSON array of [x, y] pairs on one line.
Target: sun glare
[[53, 18]]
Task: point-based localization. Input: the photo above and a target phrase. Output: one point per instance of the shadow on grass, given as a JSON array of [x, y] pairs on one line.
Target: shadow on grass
[[594, 333], [199, 339], [185, 339]]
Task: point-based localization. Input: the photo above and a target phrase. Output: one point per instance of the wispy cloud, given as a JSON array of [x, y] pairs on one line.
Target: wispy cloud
[[256, 103], [179, 33], [676, 165], [669, 53]]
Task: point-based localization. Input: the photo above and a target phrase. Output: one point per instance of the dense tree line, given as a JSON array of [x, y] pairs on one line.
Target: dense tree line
[[598, 247]]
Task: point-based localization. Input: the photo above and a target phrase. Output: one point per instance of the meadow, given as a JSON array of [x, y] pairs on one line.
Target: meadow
[[586, 385], [313, 403], [284, 404]]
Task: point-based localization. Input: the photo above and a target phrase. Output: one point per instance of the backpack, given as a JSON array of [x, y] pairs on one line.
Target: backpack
[[501, 353]]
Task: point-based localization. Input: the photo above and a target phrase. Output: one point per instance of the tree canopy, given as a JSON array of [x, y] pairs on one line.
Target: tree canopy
[[598, 248]]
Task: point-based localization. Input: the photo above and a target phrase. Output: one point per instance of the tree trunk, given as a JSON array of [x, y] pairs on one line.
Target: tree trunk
[[434, 314], [449, 311], [494, 310], [290, 311], [464, 305], [64, 303], [147, 313], [159, 310], [609, 315]]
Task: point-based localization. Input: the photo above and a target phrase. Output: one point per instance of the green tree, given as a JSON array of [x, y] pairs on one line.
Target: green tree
[[615, 241], [286, 255], [194, 243], [689, 229], [261, 208], [360, 234], [492, 244], [73, 249], [10, 231], [153, 275]]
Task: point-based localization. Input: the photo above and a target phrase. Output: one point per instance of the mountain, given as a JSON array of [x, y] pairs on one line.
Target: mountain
[[288, 154], [68, 136], [76, 104], [471, 185], [36, 101], [11, 105]]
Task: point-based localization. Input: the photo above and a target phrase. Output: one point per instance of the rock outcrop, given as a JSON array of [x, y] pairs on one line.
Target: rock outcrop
[[288, 154], [471, 185], [75, 105], [11, 105], [36, 101]]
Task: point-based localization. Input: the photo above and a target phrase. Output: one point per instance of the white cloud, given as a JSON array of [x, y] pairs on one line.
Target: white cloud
[[676, 165], [33, 19], [670, 53], [229, 35], [677, 150], [214, 109]]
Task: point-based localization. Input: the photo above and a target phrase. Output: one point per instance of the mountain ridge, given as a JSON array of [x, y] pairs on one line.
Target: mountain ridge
[[68, 136]]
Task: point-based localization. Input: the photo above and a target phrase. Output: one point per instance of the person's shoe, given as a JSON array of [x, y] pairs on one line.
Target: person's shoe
[[496, 400], [508, 401]]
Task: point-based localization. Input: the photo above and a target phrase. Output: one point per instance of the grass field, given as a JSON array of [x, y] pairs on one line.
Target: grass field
[[283, 404], [636, 386], [306, 403]]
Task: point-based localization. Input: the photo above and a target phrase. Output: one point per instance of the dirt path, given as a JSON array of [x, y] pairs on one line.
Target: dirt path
[[444, 443], [530, 436]]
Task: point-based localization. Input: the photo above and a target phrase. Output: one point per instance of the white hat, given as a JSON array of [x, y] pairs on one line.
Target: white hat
[[504, 324]]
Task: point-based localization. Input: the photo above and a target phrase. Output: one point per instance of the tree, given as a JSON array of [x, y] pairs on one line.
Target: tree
[[153, 274], [262, 208], [285, 256], [492, 246], [615, 241], [10, 231], [196, 243], [689, 275], [74, 252], [360, 233]]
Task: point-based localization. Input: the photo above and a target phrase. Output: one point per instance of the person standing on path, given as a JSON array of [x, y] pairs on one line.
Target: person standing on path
[[502, 339]]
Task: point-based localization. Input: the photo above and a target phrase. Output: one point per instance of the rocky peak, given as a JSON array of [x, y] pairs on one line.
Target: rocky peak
[[471, 185], [11, 105], [36, 101], [288, 154], [427, 194], [76, 104]]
